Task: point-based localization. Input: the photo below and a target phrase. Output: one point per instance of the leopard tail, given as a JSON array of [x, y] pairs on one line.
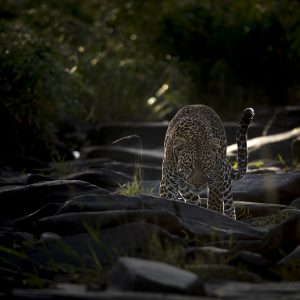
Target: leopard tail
[[241, 140]]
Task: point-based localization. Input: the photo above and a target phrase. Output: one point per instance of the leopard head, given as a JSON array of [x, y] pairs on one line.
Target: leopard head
[[194, 159]]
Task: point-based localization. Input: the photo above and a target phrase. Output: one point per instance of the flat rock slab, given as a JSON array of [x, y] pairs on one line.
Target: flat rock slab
[[104, 178], [180, 215], [231, 290], [246, 210], [124, 154], [152, 276], [23, 179], [263, 291], [105, 245], [75, 223], [282, 238], [213, 272], [269, 188], [85, 294], [19, 201]]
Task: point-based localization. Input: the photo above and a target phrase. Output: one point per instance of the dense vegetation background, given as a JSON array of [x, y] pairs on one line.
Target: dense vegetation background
[[97, 61]]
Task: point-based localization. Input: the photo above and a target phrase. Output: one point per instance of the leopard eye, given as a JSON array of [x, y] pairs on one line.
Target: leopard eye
[[178, 150], [179, 146]]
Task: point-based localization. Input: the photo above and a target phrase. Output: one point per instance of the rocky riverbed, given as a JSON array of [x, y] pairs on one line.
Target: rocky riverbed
[[95, 227]]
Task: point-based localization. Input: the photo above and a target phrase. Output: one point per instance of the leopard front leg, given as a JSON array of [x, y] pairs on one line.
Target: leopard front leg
[[220, 197], [168, 188]]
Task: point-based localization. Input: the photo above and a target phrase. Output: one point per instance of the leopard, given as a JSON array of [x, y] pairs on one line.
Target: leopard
[[195, 158]]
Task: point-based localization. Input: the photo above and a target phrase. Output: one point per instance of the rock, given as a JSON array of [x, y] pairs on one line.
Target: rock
[[103, 178], [255, 263], [246, 210], [265, 290], [75, 223], [270, 221], [86, 255], [152, 276], [295, 203], [49, 236], [282, 239], [19, 201], [103, 245], [268, 188], [289, 266], [150, 172], [83, 294], [131, 155], [24, 179], [215, 272], [291, 258], [11, 239], [105, 202], [236, 245], [207, 255], [21, 162], [274, 190], [174, 216], [28, 222]]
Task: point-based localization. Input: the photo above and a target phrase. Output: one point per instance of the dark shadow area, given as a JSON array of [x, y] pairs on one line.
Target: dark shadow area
[[66, 65]]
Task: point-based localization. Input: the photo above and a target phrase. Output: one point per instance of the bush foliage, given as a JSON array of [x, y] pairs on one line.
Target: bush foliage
[[99, 61]]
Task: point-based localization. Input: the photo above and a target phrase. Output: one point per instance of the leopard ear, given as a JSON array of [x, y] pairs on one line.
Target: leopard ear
[[215, 143], [178, 145]]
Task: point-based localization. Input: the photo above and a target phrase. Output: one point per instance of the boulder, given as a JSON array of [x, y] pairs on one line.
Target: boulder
[[270, 221], [174, 216], [281, 239], [75, 223], [152, 276], [124, 154], [265, 290], [104, 178], [24, 179], [292, 258], [82, 293], [28, 222], [99, 246], [82, 256], [253, 262], [289, 266], [295, 203], [268, 188], [12, 239], [207, 255], [215, 272], [19, 201], [247, 210]]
